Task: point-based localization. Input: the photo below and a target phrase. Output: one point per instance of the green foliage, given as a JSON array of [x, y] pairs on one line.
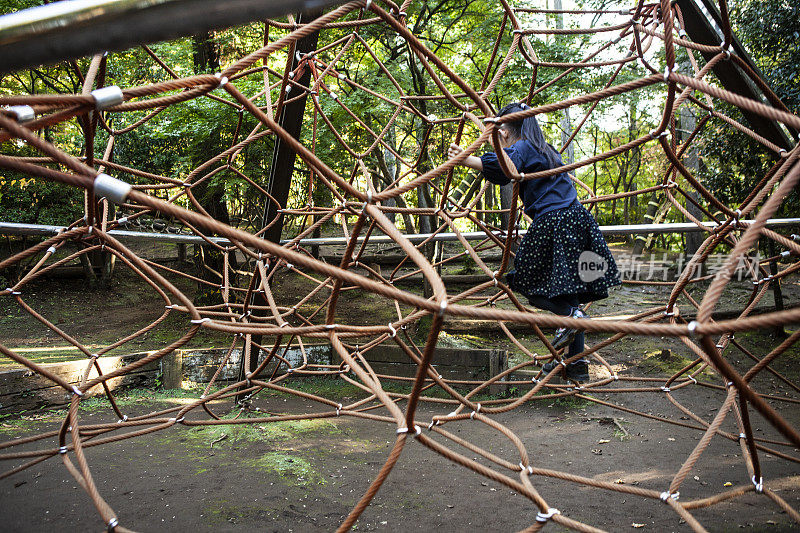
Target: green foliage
[[463, 34], [734, 163]]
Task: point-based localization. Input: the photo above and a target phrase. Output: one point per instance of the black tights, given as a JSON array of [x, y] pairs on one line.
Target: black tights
[[563, 305]]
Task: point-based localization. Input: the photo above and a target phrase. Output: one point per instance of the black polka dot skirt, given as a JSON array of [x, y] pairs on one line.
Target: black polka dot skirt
[[564, 253]]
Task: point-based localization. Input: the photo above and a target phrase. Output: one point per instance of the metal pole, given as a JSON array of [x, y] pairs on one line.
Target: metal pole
[[34, 230], [77, 28]]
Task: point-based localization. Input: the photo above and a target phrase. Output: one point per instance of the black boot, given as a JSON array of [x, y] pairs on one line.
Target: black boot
[[577, 371]]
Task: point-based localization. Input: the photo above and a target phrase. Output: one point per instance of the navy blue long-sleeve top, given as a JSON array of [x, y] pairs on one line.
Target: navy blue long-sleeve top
[[539, 196]]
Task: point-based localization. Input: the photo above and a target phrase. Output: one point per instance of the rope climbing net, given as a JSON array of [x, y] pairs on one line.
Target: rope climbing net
[[383, 169]]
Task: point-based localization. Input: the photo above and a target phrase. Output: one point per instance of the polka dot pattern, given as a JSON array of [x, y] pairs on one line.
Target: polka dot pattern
[[546, 263]]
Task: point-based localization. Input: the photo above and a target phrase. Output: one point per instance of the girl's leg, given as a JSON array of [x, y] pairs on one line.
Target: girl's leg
[[566, 305], [558, 305], [571, 301]]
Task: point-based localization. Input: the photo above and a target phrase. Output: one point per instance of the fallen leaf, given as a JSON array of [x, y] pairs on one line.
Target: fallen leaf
[[597, 451], [671, 439], [603, 441], [728, 484], [637, 526], [620, 482], [696, 478]]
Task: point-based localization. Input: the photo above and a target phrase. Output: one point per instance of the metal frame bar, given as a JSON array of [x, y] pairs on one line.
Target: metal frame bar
[[77, 28], [40, 230], [702, 30]]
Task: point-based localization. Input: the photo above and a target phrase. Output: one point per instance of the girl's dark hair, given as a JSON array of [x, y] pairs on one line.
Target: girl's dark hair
[[528, 129]]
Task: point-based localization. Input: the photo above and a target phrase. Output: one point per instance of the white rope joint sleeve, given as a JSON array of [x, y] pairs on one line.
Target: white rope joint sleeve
[[115, 190], [222, 79], [442, 307], [544, 517], [759, 484], [665, 496], [393, 333], [112, 524], [692, 327], [23, 113], [201, 320], [106, 97]]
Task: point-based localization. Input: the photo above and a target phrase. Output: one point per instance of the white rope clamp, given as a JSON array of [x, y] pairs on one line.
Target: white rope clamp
[[665, 389], [417, 430], [223, 80], [442, 307], [667, 72], [759, 484], [122, 221], [12, 292], [368, 201], [691, 378], [494, 277], [338, 409], [106, 97], [115, 190], [692, 327], [666, 496], [742, 436], [544, 517], [785, 253], [123, 419], [726, 50], [112, 524], [369, 3], [201, 320], [62, 450], [393, 333], [23, 113], [177, 420], [51, 250], [76, 391]]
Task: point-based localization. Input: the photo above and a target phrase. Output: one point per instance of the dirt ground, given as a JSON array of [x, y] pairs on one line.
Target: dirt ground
[[307, 476]]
